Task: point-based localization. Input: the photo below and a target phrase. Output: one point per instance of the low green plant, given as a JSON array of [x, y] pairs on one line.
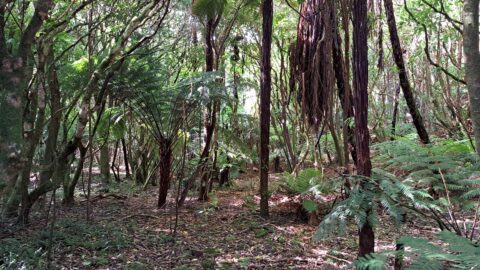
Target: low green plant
[[69, 235], [309, 184], [452, 252], [433, 182]]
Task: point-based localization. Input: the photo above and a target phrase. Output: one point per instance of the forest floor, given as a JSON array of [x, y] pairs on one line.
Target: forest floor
[[129, 232]]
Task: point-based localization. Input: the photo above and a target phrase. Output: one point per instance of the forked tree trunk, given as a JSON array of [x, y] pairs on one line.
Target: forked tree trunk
[[360, 79], [402, 74], [472, 63], [166, 150], [69, 187], [265, 91]]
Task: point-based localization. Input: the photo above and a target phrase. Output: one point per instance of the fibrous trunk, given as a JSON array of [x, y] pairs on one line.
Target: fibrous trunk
[[265, 92], [165, 171], [360, 82]]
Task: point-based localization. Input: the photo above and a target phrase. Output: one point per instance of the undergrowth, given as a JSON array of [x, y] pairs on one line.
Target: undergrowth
[[68, 236], [438, 182]]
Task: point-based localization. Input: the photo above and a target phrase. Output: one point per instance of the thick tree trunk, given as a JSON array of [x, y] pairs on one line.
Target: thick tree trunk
[[360, 79], [224, 177], [402, 74], [105, 161], [265, 91], [33, 121], [472, 63], [15, 74], [166, 149]]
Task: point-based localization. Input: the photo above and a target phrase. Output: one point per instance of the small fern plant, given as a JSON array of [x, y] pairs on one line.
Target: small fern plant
[[309, 184]]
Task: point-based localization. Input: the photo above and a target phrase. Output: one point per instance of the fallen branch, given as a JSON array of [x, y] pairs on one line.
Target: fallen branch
[[138, 215]]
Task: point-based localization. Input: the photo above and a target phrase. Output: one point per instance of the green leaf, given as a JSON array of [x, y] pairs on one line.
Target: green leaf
[[310, 206]]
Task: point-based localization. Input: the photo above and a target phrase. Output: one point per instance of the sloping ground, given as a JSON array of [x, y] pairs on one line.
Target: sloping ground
[[225, 233]]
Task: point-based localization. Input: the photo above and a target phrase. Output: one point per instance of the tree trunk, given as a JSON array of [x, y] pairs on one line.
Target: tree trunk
[[105, 160], [125, 159], [265, 91], [210, 114], [472, 63], [360, 79], [344, 91], [48, 160], [33, 121], [166, 150], [69, 187], [395, 113], [15, 74], [210, 122], [402, 74]]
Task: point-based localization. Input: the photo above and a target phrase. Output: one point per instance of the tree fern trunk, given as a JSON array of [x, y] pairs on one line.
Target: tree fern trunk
[[265, 91], [360, 79], [165, 171]]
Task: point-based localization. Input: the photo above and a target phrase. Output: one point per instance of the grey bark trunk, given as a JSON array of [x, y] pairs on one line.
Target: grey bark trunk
[[472, 63]]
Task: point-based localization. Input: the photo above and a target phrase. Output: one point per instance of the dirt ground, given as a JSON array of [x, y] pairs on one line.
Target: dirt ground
[[224, 233]]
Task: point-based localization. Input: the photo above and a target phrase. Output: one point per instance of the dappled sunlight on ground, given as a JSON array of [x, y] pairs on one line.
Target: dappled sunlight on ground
[[225, 233]]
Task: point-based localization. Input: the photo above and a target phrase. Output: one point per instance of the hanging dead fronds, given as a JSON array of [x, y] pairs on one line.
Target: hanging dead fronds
[[312, 60]]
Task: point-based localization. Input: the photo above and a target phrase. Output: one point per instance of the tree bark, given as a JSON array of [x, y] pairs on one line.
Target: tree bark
[[344, 91], [211, 112], [125, 158], [360, 79], [165, 171], [395, 113], [472, 63], [265, 91], [69, 187], [15, 73], [402, 74]]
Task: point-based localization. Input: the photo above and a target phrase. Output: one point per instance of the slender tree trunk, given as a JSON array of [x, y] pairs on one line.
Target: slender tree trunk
[[48, 160], [69, 187], [395, 112], [210, 122], [472, 63], [344, 91], [265, 91], [402, 74], [360, 79], [210, 114], [125, 159]]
